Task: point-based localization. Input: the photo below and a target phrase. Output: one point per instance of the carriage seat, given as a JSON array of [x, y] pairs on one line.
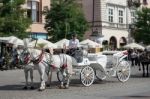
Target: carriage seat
[[77, 54]]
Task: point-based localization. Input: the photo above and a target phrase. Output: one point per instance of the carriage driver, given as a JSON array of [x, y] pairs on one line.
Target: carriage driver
[[74, 42]]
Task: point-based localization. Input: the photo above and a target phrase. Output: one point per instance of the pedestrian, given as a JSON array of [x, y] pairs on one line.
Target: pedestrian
[[145, 61], [133, 57]]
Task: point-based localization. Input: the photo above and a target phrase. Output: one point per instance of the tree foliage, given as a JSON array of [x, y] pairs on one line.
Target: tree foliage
[[64, 18], [12, 19], [142, 26]]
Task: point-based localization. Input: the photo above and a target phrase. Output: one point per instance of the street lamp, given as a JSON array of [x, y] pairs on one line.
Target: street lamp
[[97, 36]]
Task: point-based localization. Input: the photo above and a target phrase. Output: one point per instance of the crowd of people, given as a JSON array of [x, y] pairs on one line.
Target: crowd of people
[[8, 57], [139, 58]]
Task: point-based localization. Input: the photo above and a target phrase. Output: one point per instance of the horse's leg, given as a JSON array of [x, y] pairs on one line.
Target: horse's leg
[[147, 69], [63, 79], [26, 78], [49, 75], [143, 66], [42, 71], [31, 77], [139, 66], [68, 80]]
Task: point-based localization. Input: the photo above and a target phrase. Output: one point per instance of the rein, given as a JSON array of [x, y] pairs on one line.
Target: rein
[[26, 59], [36, 61]]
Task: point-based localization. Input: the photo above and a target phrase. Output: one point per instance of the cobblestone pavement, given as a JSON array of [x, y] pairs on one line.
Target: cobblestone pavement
[[12, 82]]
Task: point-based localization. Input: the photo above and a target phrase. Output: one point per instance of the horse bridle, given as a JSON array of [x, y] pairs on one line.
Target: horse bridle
[[25, 57]]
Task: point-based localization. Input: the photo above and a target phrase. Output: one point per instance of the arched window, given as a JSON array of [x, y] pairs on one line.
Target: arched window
[[113, 43], [145, 2], [122, 41]]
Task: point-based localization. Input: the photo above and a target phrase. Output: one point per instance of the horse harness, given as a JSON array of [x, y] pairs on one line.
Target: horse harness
[[62, 62], [39, 59]]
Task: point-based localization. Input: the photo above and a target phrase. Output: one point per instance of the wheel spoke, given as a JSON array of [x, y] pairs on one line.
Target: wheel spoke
[[87, 76], [123, 71]]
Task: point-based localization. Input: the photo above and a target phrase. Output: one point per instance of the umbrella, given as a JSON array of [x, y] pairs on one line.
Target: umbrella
[[148, 48], [15, 40], [12, 39], [90, 43], [42, 43], [134, 45], [62, 43]]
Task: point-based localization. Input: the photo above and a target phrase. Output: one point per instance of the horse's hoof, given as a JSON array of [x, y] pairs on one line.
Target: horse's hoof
[[25, 87], [66, 87], [41, 89], [61, 87], [32, 88]]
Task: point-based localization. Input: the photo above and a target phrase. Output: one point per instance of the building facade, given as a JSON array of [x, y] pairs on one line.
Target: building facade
[[34, 12], [145, 3], [111, 18]]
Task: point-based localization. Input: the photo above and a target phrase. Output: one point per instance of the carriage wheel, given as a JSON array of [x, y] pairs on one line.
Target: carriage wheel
[[59, 76], [123, 71], [100, 74], [87, 76]]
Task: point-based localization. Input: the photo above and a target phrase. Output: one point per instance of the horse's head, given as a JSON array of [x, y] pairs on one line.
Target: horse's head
[[27, 55], [23, 56]]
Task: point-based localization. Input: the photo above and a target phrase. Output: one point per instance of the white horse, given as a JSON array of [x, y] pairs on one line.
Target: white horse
[[29, 67], [24, 59], [48, 62]]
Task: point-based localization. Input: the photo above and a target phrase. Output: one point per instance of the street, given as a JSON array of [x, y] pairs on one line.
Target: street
[[12, 82]]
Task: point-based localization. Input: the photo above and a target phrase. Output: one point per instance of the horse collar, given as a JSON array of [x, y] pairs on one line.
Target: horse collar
[[40, 58]]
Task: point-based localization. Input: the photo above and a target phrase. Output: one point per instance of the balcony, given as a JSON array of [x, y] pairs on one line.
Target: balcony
[[134, 3], [108, 25]]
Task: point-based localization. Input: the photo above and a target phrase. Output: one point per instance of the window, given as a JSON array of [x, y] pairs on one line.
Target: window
[[33, 10], [110, 15], [132, 16], [145, 2], [120, 16]]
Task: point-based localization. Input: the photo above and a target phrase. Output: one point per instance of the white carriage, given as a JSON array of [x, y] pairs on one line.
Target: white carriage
[[100, 66], [110, 64]]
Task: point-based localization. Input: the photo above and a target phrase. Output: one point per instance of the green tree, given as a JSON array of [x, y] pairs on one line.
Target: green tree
[[141, 32], [13, 20], [64, 18]]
